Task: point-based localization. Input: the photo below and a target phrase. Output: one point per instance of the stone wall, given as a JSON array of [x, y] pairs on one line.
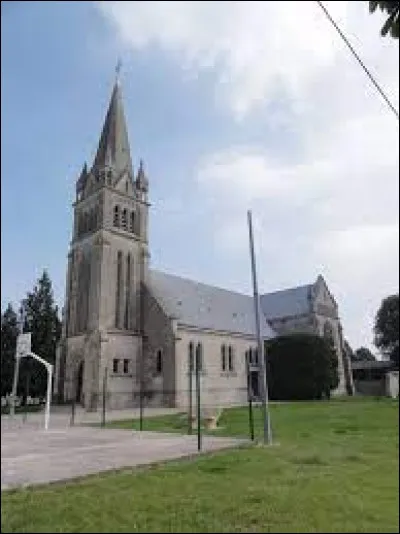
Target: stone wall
[[218, 388]]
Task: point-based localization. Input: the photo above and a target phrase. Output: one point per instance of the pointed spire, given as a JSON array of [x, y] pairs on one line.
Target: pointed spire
[[142, 182], [82, 178], [113, 150]]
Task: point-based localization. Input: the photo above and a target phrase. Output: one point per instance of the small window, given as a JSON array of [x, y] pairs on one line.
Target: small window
[[159, 362], [115, 365], [116, 216], [223, 358], [230, 358], [123, 219], [126, 366], [126, 186], [132, 222]]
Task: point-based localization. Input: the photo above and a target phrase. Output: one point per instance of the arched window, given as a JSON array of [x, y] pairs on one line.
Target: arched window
[[255, 352], [126, 186], [223, 357], [116, 216], [127, 292], [230, 358], [132, 221], [91, 220], [123, 219], [191, 357], [159, 362], [118, 290], [199, 357]]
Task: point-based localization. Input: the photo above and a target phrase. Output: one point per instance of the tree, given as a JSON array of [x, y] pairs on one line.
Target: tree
[[363, 354], [301, 367], [41, 318], [9, 333], [392, 22], [386, 328]]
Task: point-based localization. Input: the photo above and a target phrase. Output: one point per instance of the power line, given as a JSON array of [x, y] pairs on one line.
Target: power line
[[377, 86]]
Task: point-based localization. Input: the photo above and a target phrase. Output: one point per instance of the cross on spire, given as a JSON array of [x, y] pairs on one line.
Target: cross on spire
[[118, 70]]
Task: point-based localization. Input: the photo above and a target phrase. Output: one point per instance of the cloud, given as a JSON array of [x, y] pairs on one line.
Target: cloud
[[334, 207]]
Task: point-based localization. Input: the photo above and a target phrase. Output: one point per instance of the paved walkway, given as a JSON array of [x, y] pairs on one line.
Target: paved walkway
[[33, 456]]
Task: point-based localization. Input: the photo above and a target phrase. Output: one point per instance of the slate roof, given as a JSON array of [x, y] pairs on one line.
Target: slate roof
[[203, 306], [113, 146], [287, 302]]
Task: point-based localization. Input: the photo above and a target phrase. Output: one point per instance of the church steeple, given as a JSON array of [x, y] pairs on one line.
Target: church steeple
[[113, 150]]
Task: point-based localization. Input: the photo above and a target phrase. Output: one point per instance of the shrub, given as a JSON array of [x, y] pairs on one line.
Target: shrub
[[301, 367]]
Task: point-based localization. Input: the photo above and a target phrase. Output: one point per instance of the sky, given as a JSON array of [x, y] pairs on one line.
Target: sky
[[233, 106]]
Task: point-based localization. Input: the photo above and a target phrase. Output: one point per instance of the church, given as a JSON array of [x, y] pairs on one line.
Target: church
[[142, 328]]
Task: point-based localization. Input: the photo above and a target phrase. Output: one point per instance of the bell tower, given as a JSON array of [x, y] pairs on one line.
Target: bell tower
[[107, 264]]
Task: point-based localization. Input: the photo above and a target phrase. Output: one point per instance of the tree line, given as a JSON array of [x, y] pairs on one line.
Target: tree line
[[40, 316]]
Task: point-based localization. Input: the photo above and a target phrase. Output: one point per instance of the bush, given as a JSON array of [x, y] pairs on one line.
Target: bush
[[301, 367]]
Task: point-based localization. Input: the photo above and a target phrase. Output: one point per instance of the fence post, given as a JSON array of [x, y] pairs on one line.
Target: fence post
[[103, 412], [141, 399], [27, 380], [190, 411], [250, 399], [75, 394], [198, 356]]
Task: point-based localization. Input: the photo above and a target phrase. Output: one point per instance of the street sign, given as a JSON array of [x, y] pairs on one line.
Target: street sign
[[24, 344]]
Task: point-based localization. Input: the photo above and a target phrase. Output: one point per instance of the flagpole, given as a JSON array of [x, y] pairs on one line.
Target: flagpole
[[264, 388]]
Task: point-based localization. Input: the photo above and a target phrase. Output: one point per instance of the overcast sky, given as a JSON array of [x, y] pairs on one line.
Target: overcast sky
[[232, 105]]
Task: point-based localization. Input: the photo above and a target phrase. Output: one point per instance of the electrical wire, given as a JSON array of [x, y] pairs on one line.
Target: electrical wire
[[367, 72]]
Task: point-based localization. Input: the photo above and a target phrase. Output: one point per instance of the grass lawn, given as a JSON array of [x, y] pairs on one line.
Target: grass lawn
[[334, 469]]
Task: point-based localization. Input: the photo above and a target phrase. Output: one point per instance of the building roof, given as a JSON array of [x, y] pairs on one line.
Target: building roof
[[203, 306], [287, 302]]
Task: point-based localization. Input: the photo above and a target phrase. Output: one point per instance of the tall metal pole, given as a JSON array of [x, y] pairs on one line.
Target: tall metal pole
[[16, 367], [266, 417]]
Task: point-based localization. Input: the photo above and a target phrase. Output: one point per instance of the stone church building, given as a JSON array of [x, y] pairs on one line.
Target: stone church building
[[143, 327]]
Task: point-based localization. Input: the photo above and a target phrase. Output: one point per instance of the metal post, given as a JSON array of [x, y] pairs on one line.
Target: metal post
[[103, 411], [190, 414], [15, 383], [198, 349], [27, 380], [250, 400], [141, 396], [48, 396], [75, 394], [16, 367], [266, 417]]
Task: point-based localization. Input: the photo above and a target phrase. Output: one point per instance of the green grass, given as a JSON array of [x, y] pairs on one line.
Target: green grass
[[334, 469]]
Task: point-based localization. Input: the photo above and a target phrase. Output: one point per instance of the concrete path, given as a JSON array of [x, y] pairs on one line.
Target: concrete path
[[32, 456]]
